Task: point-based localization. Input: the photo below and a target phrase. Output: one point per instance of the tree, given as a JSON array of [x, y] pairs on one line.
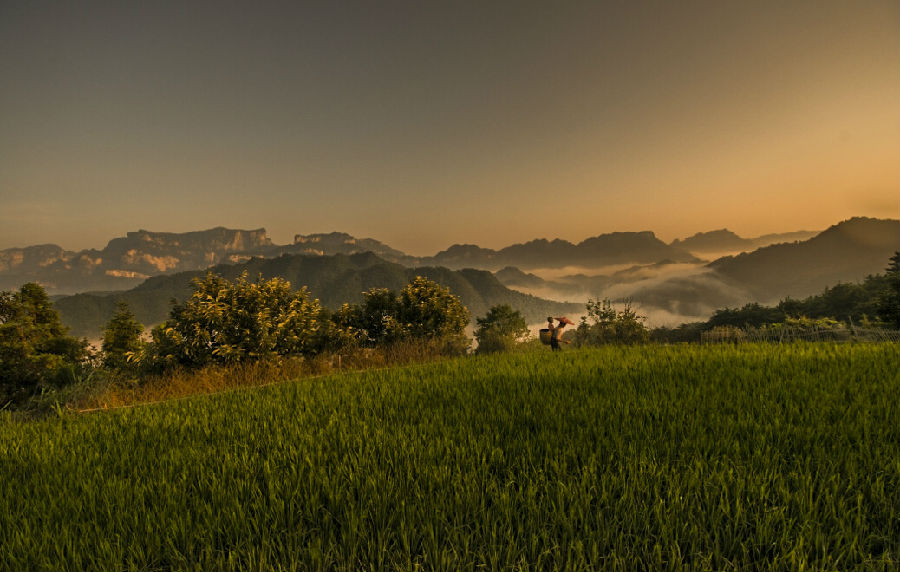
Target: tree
[[225, 322], [752, 314], [423, 310], [604, 325], [121, 337], [377, 320], [428, 310], [35, 350], [500, 329]]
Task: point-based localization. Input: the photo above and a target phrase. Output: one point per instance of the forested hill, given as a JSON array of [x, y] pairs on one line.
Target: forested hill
[[332, 279], [845, 252]]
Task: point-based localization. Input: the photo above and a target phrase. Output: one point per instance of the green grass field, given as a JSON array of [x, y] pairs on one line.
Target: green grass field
[[711, 457]]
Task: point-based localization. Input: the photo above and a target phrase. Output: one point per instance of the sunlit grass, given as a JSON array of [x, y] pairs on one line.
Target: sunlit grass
[[716, 457]]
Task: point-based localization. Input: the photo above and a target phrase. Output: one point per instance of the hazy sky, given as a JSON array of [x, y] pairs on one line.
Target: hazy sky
[[424, 124]]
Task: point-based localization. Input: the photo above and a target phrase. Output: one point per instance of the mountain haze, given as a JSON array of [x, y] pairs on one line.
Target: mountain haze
[[846, 252]]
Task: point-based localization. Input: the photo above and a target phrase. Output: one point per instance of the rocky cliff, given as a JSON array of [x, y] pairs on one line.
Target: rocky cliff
[[127, 261]]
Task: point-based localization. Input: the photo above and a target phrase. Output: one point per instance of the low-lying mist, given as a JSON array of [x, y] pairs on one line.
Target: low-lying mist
[[666, 294]]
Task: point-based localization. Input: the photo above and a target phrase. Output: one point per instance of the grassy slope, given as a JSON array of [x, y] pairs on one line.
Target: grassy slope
[[779, 457]]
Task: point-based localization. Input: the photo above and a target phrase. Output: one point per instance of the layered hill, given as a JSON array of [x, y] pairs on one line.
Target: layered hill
[[334, 280], [845, 252], [605, 249]]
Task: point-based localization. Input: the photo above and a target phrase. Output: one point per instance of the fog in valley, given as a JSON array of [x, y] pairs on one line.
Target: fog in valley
[[666, 294]]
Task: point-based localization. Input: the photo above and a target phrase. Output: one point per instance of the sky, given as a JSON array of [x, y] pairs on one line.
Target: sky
[[424, 124]]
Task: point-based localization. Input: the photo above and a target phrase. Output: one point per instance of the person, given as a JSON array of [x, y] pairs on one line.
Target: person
[[556, 331]]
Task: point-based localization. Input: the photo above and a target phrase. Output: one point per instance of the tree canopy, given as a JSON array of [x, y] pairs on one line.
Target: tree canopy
[[35, 350], [500, 329]]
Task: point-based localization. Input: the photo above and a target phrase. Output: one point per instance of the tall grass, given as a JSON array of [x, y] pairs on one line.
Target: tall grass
[[679, 458], [112, 389]]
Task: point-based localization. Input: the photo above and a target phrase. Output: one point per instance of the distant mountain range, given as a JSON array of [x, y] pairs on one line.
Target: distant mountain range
[[635, 265], [332, 279], [126, 262], [603, 250], [726, 241]]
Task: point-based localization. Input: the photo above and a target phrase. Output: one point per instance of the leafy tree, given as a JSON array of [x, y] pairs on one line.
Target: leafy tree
[[377, 320], [423, 310], [429, 310], [889, 300], [121, 337], [35, 350], [225, 322], [603, 324], [500, 329]]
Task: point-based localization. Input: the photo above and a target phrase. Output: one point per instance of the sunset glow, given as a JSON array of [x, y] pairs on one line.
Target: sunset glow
[[425, 126]]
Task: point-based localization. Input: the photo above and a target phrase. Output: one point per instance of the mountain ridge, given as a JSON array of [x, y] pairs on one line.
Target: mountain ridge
[[126, 262]]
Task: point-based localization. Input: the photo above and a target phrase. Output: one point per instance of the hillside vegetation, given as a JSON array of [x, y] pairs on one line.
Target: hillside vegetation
[[619, 458], [333, 280]]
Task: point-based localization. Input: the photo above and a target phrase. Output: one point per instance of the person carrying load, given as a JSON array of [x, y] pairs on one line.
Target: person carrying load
[[551, 333]]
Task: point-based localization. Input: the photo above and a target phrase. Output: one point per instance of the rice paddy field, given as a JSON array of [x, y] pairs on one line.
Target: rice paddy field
[[716, 457]]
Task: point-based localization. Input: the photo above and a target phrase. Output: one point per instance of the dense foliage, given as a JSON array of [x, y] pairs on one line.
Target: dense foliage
[[751, 457], [500, 329], [230, 322], [603, 324], [121, 338], [35, 350], [422, 310]]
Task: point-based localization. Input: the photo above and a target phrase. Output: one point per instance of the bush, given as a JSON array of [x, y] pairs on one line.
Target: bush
[[500, 330], [604, 325]]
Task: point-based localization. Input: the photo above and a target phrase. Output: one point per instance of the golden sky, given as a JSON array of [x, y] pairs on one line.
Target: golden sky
[[424, 124]]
